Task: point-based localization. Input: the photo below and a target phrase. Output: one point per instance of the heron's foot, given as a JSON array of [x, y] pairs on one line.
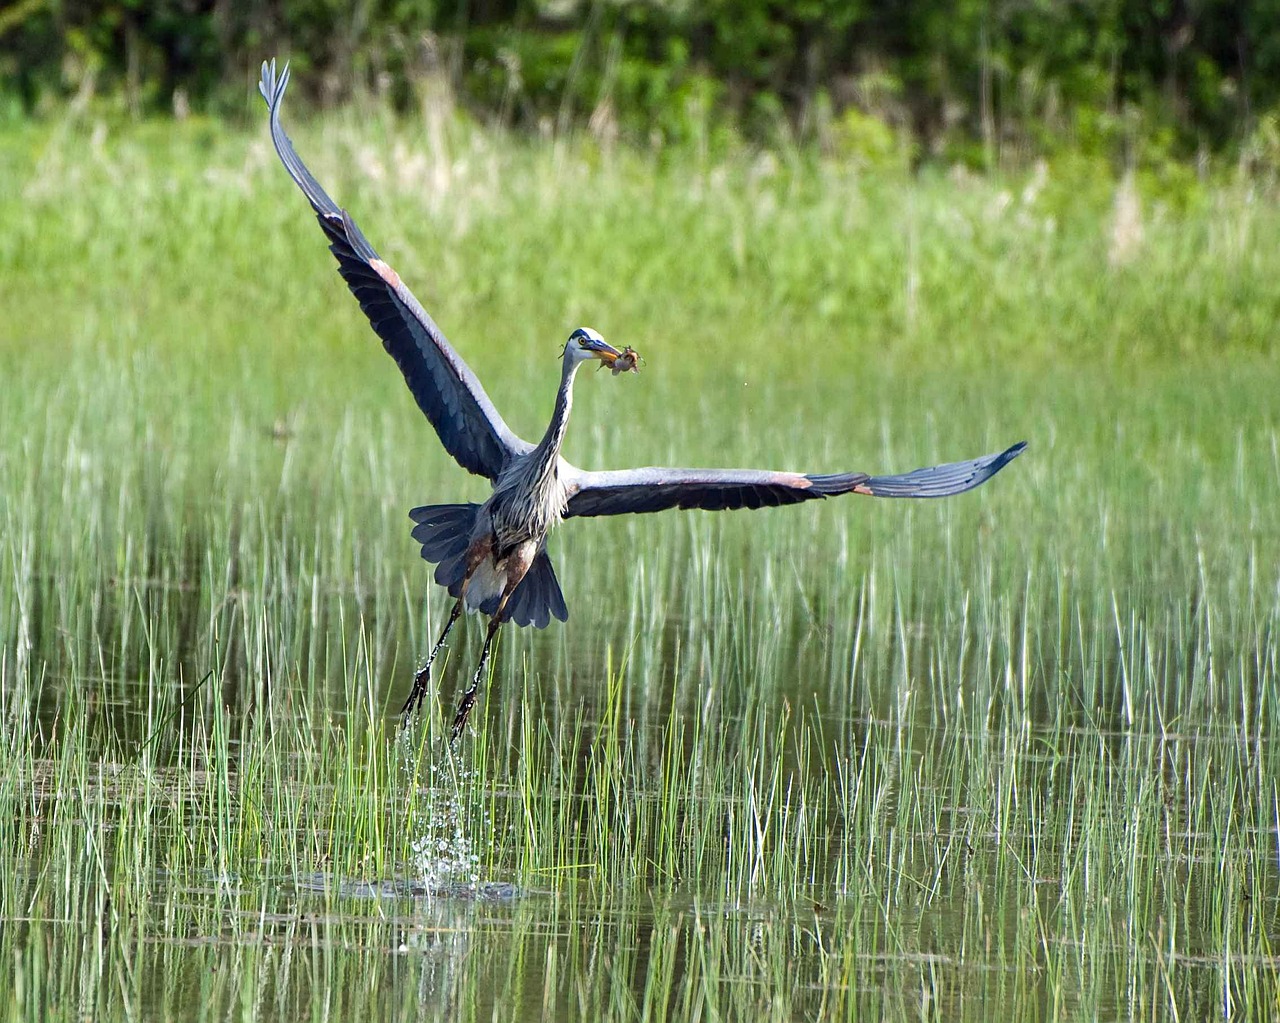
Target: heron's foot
[[416, 695], [464, 710]]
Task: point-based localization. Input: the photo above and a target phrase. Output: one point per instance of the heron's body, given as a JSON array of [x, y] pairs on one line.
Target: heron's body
[[483, 561], [492, 557]]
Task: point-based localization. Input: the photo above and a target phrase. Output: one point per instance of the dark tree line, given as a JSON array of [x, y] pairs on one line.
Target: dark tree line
[[947, 75]]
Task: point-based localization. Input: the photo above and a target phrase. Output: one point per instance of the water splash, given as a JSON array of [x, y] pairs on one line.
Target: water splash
[[444, 853], [444, 857]]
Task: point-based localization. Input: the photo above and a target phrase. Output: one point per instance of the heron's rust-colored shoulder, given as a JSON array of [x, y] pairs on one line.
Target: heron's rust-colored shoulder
[[385, 272]]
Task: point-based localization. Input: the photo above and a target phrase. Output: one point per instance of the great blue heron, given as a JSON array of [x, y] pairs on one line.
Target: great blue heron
[[492, 557]]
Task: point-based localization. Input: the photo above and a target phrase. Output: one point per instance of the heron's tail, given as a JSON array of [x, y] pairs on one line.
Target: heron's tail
[[538, 598], [444, 529]]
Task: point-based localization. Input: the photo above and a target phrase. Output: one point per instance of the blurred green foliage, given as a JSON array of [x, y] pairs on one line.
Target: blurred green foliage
[[969, 81]]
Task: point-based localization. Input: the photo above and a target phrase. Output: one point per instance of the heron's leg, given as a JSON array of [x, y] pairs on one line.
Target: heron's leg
[[518, 564], [419, 691], [469, 697], [475, 554]]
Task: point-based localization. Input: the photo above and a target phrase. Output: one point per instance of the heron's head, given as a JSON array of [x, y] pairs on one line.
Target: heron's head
[[584, 343]]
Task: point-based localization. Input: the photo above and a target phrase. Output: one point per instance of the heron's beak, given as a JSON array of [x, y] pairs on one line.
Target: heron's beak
[[606, 353], [625, 361]]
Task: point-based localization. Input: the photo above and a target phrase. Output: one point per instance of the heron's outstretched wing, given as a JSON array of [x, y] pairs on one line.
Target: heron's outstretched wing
[[443, 385], [651, 490]]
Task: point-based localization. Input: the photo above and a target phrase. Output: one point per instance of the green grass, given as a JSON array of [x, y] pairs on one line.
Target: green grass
[[1013, 752]]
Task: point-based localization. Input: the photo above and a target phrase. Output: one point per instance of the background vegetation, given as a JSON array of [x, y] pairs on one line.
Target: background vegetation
[[1011, 754], [976, 81]]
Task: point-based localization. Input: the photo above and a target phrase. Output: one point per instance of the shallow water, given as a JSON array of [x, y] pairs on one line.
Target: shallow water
[[1050, 906]]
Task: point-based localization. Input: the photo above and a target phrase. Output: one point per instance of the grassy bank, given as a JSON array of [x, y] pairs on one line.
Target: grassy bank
[[1015, 749]]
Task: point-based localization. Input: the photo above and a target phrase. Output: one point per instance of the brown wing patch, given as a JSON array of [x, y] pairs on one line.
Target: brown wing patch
[[385, 272], [795, 479], [862, 488]]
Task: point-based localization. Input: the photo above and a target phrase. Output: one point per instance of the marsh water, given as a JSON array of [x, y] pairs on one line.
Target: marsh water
[[650, 853]]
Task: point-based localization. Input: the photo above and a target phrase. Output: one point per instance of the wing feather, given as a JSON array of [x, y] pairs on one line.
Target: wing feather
[[443, 385], [651, 489]]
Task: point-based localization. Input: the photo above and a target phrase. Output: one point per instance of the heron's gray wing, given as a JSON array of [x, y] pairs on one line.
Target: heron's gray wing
[[444, 386], [650, 490]]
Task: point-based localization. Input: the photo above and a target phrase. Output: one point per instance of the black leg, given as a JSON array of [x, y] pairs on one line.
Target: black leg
[[419, 691], [469, 697]]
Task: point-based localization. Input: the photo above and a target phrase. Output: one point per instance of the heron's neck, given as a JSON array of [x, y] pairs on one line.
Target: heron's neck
[[547, 453]]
